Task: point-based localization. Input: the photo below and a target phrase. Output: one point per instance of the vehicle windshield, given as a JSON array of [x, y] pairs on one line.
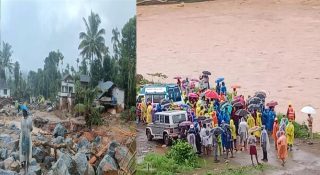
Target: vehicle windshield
[[178, 118], [158, 97]]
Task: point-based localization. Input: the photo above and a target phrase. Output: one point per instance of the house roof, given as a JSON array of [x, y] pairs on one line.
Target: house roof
[[67, 77], [3, 84], [105, 86], [84, 78]]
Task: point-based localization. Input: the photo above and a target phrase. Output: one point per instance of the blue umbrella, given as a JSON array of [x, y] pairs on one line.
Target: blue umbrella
[[218, 80]]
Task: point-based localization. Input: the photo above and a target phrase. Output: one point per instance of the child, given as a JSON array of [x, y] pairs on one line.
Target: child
[[253, 148]]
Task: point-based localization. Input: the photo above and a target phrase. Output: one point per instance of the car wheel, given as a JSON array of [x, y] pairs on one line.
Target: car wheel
[[149, 136], [167, 140]]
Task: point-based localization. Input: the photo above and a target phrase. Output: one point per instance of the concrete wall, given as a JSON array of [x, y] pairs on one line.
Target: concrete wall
[[4, 95]]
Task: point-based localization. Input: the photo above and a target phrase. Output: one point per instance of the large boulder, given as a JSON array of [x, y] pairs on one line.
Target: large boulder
[[64, 165], [112, 148], [41, 137], [83, 145], [39, 153], [3, 153], [15, 166], [5, 138], [48, 161], [82, 164], [123, 156], [15, 155], [8, 162], [34, 170], [58, 140], [108, 165], [68, 141], [59, 130], [7, 172]]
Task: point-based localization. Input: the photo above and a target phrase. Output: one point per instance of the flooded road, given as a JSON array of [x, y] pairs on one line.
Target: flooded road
[[260, 45]]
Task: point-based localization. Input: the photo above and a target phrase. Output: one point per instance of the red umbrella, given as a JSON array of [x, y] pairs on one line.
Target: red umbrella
[[194, 79], [211, 94], [177, 77], [272, 103], [193, 95], [235, 86]]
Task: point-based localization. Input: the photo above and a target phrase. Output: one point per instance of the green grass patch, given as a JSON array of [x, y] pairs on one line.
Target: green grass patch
[[180, 158]]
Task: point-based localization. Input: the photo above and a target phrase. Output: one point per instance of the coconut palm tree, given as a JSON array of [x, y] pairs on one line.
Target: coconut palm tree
[[92, 44], [5, 61]]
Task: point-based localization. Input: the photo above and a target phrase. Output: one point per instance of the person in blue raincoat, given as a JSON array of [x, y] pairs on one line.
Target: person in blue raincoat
[[223, 88], [270, 119], [159, 108], [265, 117], [218, 88]]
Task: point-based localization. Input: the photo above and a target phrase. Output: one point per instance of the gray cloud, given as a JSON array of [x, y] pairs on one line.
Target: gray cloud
[[36, 27]]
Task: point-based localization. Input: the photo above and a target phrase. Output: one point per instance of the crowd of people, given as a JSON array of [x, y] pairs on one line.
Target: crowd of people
[[237, 124]]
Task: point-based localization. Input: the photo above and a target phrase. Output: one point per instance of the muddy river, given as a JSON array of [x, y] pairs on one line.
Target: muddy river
[[260, 45]]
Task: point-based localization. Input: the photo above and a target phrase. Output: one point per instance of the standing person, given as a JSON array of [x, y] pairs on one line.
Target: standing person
[[149, 113], [233, 133], [218, 88], [282, 147], [25, 143], [251, 122], [215, 144], [203, 138], [310, 121], [258, 123], [234, 93], [192, 138], [264, 142], [243, 132], [143, 110], [179, 83], [291, 113], [290, 134], [198, 138], [274, 131], [223, 89], [253, 148], [229, 146]]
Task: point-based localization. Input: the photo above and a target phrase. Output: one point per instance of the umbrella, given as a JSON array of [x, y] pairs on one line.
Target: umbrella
[[252, 107], [308, 110], [193, 95], [216, 130], [206, 72], [195, 80], [238, 104], [261, 96], [218, 80], [272, 103], [211, 94], [185, 123], [177, 77], [254, 129], [254, 100], [262, 93], [242, 112], [235, 86]]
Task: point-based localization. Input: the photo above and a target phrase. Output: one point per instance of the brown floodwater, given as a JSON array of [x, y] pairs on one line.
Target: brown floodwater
[[260, 45]]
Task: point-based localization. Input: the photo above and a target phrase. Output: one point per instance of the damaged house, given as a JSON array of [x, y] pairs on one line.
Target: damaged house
[[4, 89], [67, 93], [110, 95]]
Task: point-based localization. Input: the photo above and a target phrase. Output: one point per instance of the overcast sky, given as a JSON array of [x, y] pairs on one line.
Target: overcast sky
[[36, 27]]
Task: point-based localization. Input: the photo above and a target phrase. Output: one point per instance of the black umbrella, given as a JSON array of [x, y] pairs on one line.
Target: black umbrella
[[253, 107], [216, 130], [261, 93], [238, 104], [206, 72], [261, 96], [254, 100], [242, 112]]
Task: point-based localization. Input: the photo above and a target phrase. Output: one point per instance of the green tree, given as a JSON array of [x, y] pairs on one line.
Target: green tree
[[5, 60], [127, 61], [96, 72], [83, 69], [108, 74], [92, 44]]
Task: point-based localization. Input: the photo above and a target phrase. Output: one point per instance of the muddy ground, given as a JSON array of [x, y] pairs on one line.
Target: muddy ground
[[303, 159], [271, 45]]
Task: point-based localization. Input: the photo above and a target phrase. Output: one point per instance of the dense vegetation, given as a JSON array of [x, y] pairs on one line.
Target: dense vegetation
[[96, 61]]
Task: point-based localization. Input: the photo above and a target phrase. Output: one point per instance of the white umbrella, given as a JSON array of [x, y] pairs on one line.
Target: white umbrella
[[308, 110]]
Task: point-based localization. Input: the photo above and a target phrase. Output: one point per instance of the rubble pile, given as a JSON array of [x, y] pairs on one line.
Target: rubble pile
[[64, 152]]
